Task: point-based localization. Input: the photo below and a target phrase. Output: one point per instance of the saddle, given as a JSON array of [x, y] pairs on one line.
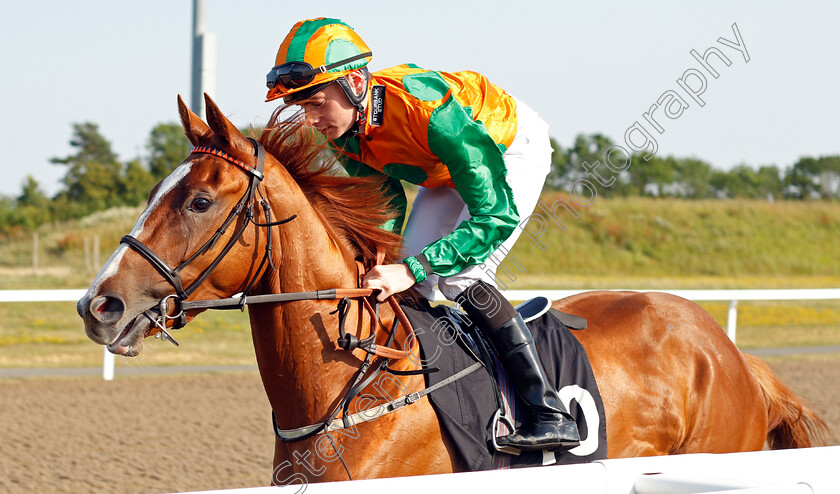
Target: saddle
[[482, 405]]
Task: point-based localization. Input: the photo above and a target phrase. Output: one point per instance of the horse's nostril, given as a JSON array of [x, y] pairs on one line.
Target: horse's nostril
[[109, 305], [107, 309]]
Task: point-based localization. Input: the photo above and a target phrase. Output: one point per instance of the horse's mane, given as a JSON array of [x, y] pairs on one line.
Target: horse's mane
[[356, 207]]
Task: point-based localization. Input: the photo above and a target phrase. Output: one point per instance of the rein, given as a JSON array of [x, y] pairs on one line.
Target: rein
[[246, 204], [348, 342]]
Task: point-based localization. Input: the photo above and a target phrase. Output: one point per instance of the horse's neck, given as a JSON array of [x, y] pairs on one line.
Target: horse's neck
[[312, 257], [306, 375], [303, 371]]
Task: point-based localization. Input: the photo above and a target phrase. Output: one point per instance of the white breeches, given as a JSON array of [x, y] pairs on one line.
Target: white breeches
[[436, 212]]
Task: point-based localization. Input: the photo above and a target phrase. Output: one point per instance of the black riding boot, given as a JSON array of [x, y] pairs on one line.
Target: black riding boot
[[551, 427]]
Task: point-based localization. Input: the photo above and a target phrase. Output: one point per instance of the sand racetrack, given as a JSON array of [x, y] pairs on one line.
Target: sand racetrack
[[193, 432]]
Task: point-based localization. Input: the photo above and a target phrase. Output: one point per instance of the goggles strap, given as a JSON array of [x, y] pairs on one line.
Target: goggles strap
[[312, 71], [325, 68]]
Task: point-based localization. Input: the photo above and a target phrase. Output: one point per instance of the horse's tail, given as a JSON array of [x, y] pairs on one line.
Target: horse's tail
[[790, 423]]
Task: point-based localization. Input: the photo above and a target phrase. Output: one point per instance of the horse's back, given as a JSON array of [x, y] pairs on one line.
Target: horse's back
[[671, 380]]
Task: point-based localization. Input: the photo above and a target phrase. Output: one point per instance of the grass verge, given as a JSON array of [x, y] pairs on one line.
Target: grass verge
[[51, 334]]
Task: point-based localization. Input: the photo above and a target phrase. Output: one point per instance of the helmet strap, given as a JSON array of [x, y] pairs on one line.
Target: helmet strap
[[356, 100]]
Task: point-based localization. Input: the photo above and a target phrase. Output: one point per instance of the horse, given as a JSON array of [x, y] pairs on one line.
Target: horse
[[271, 217]]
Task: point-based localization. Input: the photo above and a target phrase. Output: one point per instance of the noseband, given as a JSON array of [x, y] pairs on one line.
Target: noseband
[[246, 204]]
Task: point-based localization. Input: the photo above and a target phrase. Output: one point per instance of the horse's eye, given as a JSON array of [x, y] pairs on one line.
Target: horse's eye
[[200, 205]]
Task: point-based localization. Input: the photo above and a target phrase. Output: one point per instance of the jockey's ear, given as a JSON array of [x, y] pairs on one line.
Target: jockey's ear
[[223, 127], [357, 81], [194, 127]]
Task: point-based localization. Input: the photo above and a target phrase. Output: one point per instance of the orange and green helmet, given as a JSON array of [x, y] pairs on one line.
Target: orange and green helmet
[[315, 53]]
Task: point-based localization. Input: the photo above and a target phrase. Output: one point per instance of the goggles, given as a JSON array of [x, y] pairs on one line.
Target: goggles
[[294, 75]]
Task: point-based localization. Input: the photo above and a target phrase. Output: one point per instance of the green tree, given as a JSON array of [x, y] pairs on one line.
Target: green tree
[[139, 181], [588, 148], [721, 183], [62, 208], [769, 182], [32, 205], [747, 182], [90, 145], [557, 177], [652, 177], [94, 178], [814, 178], [167, 146], [7, 213], [32, 195], [830, 176], [585, 160], [693, 178]]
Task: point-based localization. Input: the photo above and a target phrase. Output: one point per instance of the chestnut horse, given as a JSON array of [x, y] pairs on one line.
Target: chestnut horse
[[671, 380]]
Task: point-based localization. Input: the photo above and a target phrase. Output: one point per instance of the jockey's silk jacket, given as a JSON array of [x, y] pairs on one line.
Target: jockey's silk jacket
[[438, 129]]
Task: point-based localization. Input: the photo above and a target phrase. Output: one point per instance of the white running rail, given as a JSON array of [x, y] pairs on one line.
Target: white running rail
[[733, 296]]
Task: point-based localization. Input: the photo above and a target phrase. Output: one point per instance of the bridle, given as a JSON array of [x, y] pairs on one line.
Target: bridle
[[246, 203], [346, 341]]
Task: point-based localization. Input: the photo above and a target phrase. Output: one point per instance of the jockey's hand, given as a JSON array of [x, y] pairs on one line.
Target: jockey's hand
[[389, 279]]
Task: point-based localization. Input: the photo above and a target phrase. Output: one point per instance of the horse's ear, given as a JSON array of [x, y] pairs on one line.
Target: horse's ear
[[222, 126], [194, 127]]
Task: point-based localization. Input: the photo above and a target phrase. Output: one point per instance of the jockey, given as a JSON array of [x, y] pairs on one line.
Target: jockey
[[479, 157]]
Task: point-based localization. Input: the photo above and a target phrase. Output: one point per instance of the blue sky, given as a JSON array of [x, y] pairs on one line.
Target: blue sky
[[584, 66]]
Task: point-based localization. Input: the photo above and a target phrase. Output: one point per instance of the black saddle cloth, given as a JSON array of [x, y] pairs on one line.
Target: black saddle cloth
[[466, 408]]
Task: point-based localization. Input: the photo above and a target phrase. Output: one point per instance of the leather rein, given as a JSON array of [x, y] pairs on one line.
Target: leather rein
[[247, 204], [367, 372]]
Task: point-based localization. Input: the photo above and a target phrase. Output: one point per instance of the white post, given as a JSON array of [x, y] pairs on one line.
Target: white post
[[108, 365], [732, 320]]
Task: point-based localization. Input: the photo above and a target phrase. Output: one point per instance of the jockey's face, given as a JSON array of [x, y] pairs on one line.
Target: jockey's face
[[330, 111]]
